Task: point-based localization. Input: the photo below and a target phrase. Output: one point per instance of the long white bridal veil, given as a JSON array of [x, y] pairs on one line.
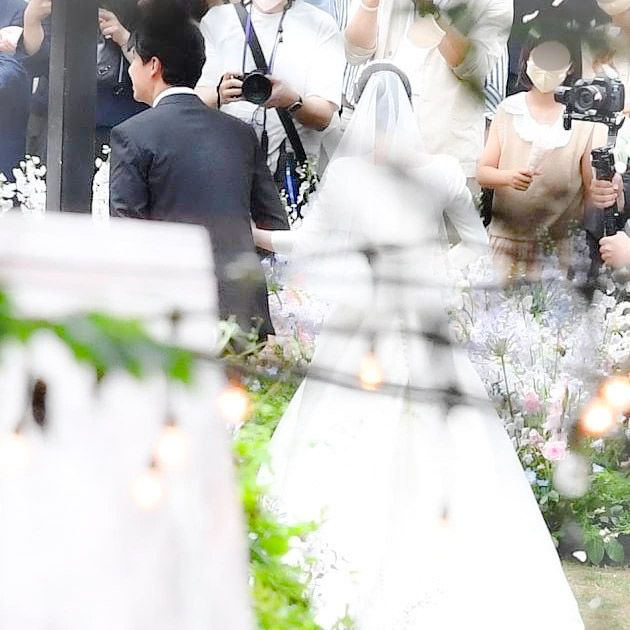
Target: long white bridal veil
[[383, 127], [364, 177]]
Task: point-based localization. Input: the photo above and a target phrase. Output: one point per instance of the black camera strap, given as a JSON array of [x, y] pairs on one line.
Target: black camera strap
[[261, 63]]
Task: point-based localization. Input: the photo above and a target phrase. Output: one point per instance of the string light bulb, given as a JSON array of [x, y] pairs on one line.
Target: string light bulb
[[15, 453], [148, 489], [598, 418], [172, 448], [234, 404], [616, 393], [370, 372]]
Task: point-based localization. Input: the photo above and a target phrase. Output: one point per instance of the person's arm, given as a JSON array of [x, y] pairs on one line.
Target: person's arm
[[33, 37], [489, 175], [323, 84], [128, 179], [266, 210], [473, 45], [361, 34], [315, 112], [464, 217], [111, 28], [212, 74]]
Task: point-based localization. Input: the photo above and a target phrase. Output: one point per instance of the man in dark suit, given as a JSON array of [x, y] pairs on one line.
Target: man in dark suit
[[182, 161]]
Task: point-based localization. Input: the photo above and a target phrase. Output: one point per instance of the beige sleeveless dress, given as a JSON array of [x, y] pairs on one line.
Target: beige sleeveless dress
[[524, 224]]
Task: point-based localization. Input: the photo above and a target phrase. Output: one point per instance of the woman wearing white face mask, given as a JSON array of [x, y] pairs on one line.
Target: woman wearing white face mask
[[540, 172]]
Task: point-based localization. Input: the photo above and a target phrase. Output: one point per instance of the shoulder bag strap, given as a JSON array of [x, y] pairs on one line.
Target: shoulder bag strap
[[261, 64]]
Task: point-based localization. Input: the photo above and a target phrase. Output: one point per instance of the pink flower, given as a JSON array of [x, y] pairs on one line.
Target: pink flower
[[535, 437], [554, 417], [554, 450], [531, 403]]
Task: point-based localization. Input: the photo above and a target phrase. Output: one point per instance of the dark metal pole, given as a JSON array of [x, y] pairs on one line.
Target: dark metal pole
[[71, 105]]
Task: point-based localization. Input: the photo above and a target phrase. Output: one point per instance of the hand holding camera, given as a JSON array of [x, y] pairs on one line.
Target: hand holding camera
[[599, 100], [606, 193], [230, 88], [615, 250], [282, 95], [256, 87]]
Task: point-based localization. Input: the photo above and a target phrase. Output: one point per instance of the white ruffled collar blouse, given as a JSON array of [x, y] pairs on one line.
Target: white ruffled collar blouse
[[529, 129]]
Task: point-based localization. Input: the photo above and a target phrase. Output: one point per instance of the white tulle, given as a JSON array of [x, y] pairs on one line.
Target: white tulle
[[426, 518]]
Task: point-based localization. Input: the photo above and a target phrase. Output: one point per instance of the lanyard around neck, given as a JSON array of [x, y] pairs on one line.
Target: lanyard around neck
[[278, 39]]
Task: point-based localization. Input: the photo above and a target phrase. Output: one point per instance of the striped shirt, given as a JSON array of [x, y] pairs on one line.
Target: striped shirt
[[496, 85]]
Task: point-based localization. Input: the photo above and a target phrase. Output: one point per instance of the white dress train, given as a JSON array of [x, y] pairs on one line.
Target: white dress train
[[426, 518]]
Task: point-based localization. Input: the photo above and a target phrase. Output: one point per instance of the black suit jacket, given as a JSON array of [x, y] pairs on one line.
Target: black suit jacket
[[181, 161]]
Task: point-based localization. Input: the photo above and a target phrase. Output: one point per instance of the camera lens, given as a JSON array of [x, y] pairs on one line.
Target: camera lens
[[586, 98], [256, 88]]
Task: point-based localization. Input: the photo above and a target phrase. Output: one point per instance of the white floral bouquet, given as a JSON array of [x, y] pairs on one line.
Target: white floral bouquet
[[28, 191]]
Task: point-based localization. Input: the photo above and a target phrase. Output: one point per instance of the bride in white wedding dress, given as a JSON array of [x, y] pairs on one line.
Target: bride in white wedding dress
[[426, 518]]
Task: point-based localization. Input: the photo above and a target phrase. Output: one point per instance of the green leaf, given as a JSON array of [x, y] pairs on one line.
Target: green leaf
[[615, 551], [595, 549]]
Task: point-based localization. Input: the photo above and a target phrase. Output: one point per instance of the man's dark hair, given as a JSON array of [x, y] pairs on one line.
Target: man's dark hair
[[196, 8], [165, 31]]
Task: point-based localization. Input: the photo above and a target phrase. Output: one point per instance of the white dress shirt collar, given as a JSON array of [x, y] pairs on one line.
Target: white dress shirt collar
[[170, 92]]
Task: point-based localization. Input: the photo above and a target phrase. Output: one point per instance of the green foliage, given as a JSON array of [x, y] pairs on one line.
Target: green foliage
[[279, 590], [604, 515], [103, 342]]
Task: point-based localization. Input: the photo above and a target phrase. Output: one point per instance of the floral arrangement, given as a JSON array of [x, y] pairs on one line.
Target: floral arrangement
[[28, 191], [542, 351], [307, 179]]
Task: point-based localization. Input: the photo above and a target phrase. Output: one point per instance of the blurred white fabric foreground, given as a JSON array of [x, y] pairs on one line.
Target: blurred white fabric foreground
[[77, 551]]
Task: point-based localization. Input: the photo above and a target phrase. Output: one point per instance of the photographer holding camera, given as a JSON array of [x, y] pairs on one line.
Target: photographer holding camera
[[297, 83], [540, 171]]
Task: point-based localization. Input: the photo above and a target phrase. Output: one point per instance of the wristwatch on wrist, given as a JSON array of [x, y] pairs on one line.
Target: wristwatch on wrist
[[296, 106]]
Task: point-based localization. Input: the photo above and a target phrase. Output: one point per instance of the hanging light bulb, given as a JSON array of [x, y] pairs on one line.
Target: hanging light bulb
[[370, 372], [148, 490], [598, 418], [172, 449], [15, 453], [616, 393], [234, 404]]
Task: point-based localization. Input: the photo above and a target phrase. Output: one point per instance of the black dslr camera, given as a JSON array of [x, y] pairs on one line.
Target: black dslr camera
[[256, 87], [595, 100], [598, 100]]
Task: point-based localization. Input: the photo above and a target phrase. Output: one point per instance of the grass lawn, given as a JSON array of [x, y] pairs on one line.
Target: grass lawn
[[603, 595]]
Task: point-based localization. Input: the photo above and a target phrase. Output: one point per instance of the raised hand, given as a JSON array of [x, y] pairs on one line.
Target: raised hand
[[37, 11], [111, 28]]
